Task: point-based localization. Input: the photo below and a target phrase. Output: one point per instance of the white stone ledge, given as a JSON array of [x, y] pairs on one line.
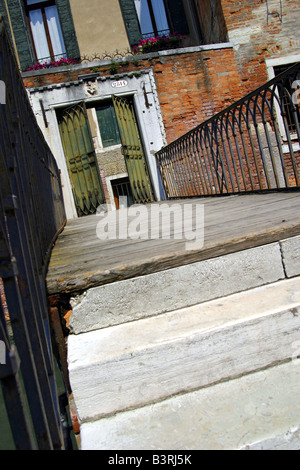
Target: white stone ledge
[[175, 288], [191, 49], [143, 362], [291, 256]]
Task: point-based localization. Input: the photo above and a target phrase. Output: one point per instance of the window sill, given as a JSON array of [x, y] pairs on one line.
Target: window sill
[[108, 149], [97, 63], [185, 50]]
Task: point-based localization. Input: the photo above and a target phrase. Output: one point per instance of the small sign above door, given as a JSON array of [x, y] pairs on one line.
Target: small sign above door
[[119, 83]]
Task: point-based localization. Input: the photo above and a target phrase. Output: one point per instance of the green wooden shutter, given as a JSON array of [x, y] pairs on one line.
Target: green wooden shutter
[[22, 34], [68, 29], [133, 152], [21, 31], [81, 159], [177, 16], [108, 125], [131, 21]]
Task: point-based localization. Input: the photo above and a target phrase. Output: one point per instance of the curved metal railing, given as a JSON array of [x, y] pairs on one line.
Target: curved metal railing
[[252, 145]]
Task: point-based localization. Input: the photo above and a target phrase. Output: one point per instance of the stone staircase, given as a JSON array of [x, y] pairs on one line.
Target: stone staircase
[[201, 356]]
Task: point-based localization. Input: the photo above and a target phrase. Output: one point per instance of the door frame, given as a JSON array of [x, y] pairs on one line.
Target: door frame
[[147, 109]]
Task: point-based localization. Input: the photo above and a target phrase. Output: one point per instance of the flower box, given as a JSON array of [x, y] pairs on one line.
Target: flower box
[[158, 43]]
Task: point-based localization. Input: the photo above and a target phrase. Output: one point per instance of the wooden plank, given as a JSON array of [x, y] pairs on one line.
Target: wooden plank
[[80, 260]]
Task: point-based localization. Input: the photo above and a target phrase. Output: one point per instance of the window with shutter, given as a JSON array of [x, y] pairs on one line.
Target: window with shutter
[[108, 125], [45, 30], [152, 17], [146, 18], [52, 27]]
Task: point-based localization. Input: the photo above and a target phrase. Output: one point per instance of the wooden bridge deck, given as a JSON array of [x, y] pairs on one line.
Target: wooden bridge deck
[[81, 260]]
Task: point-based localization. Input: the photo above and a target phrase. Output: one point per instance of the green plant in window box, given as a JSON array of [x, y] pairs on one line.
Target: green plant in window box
[[159, 43], [113, 68]]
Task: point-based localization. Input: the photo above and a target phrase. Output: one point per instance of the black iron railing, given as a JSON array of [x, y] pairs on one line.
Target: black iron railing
[[252, 145], [31, 215]]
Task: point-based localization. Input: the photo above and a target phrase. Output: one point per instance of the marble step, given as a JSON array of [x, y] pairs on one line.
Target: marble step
[[258, 411], [143, 362], [152, 294]]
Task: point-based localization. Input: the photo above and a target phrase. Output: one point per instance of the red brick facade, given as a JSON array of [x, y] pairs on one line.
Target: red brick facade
[[258, 36], [191, 87]]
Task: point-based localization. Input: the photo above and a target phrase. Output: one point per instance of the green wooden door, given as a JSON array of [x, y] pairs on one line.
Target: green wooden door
[[133, 151], [81, 159]]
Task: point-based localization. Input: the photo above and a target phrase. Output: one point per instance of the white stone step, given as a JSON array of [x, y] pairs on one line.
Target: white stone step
[[146, 361], [180, 287], [259, 411]]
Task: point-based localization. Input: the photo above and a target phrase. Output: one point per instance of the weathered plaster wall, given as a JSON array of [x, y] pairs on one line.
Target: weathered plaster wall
[[257, 37], [99, 26], [111, 161]]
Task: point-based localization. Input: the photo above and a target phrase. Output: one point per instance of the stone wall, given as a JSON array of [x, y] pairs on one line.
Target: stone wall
[[111, 161]]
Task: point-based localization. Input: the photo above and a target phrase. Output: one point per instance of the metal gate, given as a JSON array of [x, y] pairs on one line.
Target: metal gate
[[81, 159], [133, 151]]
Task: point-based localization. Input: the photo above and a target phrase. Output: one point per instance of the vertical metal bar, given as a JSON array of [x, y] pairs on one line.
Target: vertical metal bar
[[203, 187], [226, 154], [206, 178], [208, 157], [242, 125]]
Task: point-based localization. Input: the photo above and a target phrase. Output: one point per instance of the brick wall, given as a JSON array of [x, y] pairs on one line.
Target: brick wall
[[191, 87], [258, 37], [194, 87]]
